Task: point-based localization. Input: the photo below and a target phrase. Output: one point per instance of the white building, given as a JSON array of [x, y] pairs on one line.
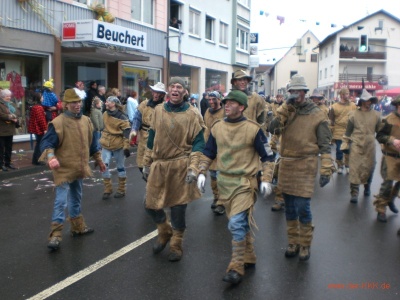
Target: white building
[[214, 42], [300, 59], [368, 49]]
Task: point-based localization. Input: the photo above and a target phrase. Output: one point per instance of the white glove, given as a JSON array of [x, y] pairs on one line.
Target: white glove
[[266, 188], [201, 180]]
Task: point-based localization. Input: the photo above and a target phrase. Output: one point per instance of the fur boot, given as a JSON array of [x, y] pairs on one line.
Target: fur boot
[[121, 187], [175, 245], [55, 236], [293, 238], [305, 239], [79, 227], [250, 257], [107, 188], [235, 270], [164, 235]]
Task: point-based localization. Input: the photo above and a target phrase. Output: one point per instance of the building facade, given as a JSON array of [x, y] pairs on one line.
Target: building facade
[[42, 39], [210, 42], [366, 50], [300, 59]]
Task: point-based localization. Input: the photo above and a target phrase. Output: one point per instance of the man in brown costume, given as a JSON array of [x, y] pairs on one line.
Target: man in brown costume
[[318, 99], [239, 144], [256, 104], [389, 137], [339, 115], [115, 144], [170, 164], [213, 113], [142, 119], [279, 203], [304, 133], [66, 147], [359, 140]]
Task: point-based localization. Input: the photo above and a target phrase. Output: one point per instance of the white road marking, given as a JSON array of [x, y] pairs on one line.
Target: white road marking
[[92, 268]]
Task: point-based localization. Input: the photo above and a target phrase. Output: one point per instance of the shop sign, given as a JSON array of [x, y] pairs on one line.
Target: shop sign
[[103, 32], [357, 85]]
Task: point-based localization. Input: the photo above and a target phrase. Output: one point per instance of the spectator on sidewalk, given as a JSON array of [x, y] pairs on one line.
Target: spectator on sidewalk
[[37, 125]]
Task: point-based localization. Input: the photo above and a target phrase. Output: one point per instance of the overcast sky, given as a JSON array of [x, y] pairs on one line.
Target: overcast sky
[[303, 15]]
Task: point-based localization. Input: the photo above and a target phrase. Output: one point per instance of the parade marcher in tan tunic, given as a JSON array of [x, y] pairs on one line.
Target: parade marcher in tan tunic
[[142, 120], [389, 137], [305, 134], [239, 145], [359, 140], [170, 165], [213, 113], [256, 104], [67, 146], [319, 100], [279, 203], [115, 144], [339, 115]]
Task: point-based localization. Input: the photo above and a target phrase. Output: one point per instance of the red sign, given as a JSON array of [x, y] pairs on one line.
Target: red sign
[[358, 85], [69, 31]]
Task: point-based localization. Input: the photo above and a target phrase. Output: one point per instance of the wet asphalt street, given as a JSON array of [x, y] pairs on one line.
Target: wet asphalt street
[[352, 256]]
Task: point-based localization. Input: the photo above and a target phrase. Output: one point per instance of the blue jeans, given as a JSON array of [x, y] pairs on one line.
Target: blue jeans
[[178, 214], [96, 138], [339, 153], [238, 225], [297, 208], [67, 194], [119, 159]]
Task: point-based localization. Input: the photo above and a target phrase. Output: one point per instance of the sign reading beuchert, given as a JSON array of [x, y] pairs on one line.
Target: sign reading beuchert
[[93, 30]]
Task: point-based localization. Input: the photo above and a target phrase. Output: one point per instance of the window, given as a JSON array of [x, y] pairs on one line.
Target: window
[[292, 73], [332, 48], [244, 2], [331, 70], [142, 10], [308, 40], [175, 12], [326, 52], [326, 73], [223, 33], [209, 28], [370, 71], [314, 58], [90, 2], [242, 39], [194, 22], [320, 74]]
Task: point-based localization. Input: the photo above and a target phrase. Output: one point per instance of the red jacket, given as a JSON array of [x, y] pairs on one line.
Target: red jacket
[[37, 120]]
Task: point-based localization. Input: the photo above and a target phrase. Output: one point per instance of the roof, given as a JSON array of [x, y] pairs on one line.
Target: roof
[[332, 35]]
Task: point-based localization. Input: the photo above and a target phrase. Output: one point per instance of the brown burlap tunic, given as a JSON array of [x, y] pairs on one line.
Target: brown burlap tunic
[[75, 138], [238, 163], [147, 112], [256, 108], [339, 116], [305, 136], [361, 131], [209, 120], [175, 133], [392, 163]]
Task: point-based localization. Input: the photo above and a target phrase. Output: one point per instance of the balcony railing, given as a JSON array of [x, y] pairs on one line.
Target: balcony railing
[[362, 55], [359, 77]]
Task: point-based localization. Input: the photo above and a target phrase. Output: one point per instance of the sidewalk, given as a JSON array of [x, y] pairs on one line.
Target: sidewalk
[[22, 160]]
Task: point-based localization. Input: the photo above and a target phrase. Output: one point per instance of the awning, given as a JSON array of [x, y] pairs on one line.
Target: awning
[[100, 54]]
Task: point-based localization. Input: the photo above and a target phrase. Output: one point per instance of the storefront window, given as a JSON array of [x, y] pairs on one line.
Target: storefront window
[[22, 75], [215, 81], [138, 79], [86, 72]]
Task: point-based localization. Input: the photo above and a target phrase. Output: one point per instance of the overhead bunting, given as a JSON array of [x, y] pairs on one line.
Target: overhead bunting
[[281, 19]]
